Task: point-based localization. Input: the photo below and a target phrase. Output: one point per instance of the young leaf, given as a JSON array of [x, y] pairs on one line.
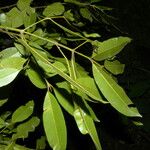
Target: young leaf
[[36, 79], [55, 9], [113, 92], [24, 128], [86, 126], [114, 67], [54, 123], [13, 62], [23, 112], [109, 48], [7, 75]]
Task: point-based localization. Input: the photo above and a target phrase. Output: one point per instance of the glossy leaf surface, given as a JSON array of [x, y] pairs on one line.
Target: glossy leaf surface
[[54, 123], [113, 92]]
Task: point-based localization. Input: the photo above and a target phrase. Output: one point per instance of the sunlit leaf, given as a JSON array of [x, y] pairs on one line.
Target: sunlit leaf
[[2, 123], [109, 48], [54, 123], [54, 9], [114, 67], [7, 75], [26, 127], [23, 112], [113, 92]]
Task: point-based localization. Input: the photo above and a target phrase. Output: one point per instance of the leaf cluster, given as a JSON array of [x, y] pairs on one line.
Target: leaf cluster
[[46, 49]]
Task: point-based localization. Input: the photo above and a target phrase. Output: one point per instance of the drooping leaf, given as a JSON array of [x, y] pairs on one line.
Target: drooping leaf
[[54, 123], [86, 125], [90, 88], [68, 15], [24, 128], [23, 112], [114, 67], [113, 92], [36, 78], [93, 35], [13, 62], [65, 103], [109, 48], [55, 9], [7, 75]]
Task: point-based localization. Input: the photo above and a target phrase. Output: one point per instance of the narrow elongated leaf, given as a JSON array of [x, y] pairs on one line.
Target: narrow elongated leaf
[[54, 123], [54, 9], [86, 126], [13, 62], [114, 67], [109, 48], [65, 103], [7, 75], [90, 87], [23, 112], [113, 92], [26, 127], [36, 79], [86, 14]]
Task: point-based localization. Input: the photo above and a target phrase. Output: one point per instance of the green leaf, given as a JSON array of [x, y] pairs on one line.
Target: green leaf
[[68, 15], [9, 52], [7, 75], [23, 112], [64, 101], [109, 48], [86, 14], [90, 88], [86, 125], [2, 18], [2, 123], [114, 67], [93, 35], [13, 62], [113, 92], [55, 9], [54, 123], [24, 128], [36, 78], [2, 102], [41, 143], [14, 18], [23, 4]]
